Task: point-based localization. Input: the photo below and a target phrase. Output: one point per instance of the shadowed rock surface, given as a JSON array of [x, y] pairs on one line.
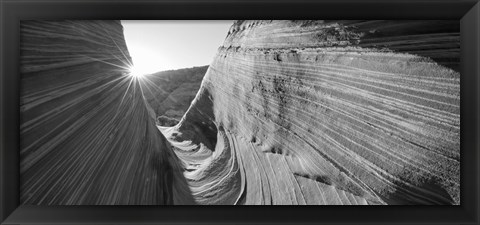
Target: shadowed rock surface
[[86, 134], [289, 112]]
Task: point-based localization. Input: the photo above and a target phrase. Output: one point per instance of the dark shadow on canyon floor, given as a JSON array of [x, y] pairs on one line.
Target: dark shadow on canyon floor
[[430, 192]]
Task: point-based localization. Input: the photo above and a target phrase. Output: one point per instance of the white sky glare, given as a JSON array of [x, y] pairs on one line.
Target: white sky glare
[[158, 45]]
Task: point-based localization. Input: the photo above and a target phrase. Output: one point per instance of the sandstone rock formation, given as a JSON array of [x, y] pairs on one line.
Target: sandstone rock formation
[[170, 93], [327, 112], [86, 134], [289, 112]]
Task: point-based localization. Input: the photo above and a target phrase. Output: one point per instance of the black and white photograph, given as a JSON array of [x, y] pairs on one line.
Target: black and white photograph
[[239, 112]]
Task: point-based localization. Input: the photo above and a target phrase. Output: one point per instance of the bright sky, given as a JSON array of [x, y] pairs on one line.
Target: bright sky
[[157, 45]]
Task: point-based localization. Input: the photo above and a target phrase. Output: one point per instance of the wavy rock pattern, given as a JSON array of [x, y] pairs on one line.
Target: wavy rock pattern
[[289, 112], [86, 135], [307, 112]]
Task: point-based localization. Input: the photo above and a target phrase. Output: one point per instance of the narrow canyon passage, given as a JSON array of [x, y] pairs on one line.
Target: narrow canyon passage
[[288, 112]]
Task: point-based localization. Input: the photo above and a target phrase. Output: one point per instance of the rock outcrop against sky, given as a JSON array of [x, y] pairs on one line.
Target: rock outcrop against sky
[[289, 112], [308, 113], [171, 92], [87, 137]]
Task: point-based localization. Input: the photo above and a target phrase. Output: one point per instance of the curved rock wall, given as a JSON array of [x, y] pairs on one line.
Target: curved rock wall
[[86, 134], [289, 112], [327, 112]]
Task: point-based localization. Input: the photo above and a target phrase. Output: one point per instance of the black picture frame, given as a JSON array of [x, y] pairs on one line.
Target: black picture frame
[[13, 11]]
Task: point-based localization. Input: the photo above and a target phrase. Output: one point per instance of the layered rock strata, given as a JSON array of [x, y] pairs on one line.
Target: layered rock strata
[[289, 112], [327, 112], [87, 137]]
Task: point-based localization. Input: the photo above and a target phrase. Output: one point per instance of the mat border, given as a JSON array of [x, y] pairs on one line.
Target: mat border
[[12, 11]]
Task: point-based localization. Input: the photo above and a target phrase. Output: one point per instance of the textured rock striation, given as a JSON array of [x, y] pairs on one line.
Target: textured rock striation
[[87, 136], [289, 112], [327, 112]]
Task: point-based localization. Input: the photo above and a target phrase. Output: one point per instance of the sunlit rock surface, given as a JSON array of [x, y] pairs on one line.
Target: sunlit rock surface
[[289, 112], [327, 112], [86, 134], [170, 93]]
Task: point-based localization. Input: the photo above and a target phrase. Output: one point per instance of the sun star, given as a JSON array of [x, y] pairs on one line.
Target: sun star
[[137, 72]]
